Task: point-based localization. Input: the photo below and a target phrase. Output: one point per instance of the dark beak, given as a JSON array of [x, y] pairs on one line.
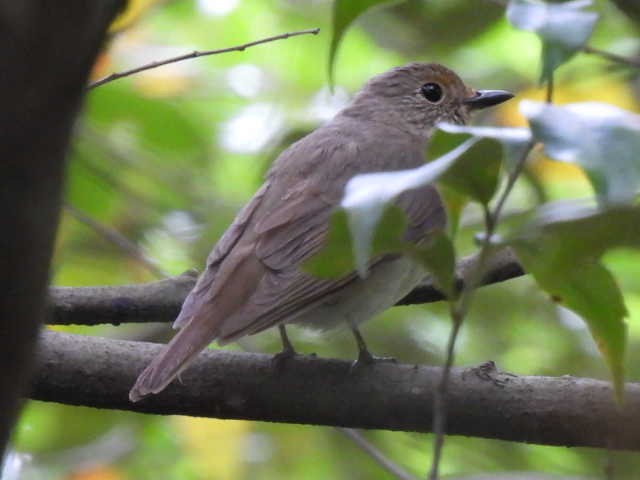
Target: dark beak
[[487, 98]]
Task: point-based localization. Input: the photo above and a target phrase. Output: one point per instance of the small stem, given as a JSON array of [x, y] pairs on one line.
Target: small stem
[[117, 239], [612, 57], [439, 399], [550, 89], [196, 54], [458, 310], [379, 457]]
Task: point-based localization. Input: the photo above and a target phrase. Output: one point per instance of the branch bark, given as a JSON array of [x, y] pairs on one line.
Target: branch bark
[[160, 301], [46, 52], [482, 401]]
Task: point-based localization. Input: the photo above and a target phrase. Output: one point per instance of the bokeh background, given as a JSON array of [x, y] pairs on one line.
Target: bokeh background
[[163, 160]]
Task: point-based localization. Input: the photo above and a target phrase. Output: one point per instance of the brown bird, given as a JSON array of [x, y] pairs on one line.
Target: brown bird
[[252, 280]]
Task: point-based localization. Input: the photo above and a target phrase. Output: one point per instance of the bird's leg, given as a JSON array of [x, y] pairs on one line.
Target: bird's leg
[[364, 355], [287, 348]]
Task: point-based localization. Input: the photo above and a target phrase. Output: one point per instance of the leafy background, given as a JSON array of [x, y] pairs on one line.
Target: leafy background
[[167, 157]]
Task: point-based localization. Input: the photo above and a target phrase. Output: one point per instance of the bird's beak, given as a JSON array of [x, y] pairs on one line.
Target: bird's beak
[[487, 98]]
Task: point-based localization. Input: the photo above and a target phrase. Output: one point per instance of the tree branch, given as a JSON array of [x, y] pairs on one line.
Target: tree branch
[[196, 54], [482, 402], [160, 301]]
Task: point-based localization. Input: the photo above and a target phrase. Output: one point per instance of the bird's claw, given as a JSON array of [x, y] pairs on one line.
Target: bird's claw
[[366, 359]]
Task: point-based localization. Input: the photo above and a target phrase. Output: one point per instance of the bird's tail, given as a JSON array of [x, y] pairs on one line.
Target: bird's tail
[[174, 358]]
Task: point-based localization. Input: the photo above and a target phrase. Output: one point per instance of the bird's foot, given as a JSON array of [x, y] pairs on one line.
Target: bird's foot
[[280, 358], [366, 359]]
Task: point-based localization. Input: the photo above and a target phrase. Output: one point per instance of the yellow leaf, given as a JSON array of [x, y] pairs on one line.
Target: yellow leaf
[[133, 11]]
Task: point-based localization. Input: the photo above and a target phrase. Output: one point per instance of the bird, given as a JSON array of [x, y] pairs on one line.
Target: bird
[[253, 279]]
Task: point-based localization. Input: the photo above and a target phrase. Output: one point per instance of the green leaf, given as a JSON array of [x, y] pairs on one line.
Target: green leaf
[[476, 173], [438, 257], [335, 260], [515, 141], [563, 28], [562, 248], [454, 203], [604, 140], [367, 196], [344, 13]]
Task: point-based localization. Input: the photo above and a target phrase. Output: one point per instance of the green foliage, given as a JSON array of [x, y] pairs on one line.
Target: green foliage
[[335, 260], [438, 256], [562, 248], [477, 171], [367, 196], [563, 28], [344, 13], [602, 139]]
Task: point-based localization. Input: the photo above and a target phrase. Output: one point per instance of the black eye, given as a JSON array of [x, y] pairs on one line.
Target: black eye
[[432, 92]]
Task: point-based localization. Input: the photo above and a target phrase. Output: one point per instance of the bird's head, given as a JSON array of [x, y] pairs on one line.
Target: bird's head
[[417, 96]]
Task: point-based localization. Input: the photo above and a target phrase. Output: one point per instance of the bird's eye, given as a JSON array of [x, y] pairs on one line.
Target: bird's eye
[[432, 92]]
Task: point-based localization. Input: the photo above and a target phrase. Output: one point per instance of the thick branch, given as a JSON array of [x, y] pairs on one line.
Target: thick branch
[[482, 402], [161, 301]]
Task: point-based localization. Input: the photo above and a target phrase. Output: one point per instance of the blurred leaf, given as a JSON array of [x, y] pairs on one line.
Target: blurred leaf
[[367, 196], [563, 28], [562, 248], [157, 125], [631, 8], [413, 26], [344, 13], [604, 140]]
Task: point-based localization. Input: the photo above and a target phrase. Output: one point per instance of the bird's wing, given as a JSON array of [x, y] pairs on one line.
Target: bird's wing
[[285, 291], [205, 283]]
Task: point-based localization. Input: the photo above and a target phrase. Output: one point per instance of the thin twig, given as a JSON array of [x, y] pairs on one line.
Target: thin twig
[[196, 54], [371, 450], [458, 309], [612, 57], [116, 238]]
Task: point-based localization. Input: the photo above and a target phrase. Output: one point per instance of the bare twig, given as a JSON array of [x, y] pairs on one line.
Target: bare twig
[[612, 57], [370, 449], [116, 238], [196, 54]]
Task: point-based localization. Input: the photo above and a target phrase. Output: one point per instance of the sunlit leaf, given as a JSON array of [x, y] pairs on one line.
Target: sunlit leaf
[[515, 141], [604, 140], [562, 248], [563, 28], [344, 13]]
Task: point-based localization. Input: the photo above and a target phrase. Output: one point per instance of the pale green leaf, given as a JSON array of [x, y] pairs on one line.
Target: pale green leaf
[[563, 28]]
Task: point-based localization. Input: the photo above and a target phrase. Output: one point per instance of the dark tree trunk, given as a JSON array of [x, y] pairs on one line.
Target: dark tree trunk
[[46, 52]]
